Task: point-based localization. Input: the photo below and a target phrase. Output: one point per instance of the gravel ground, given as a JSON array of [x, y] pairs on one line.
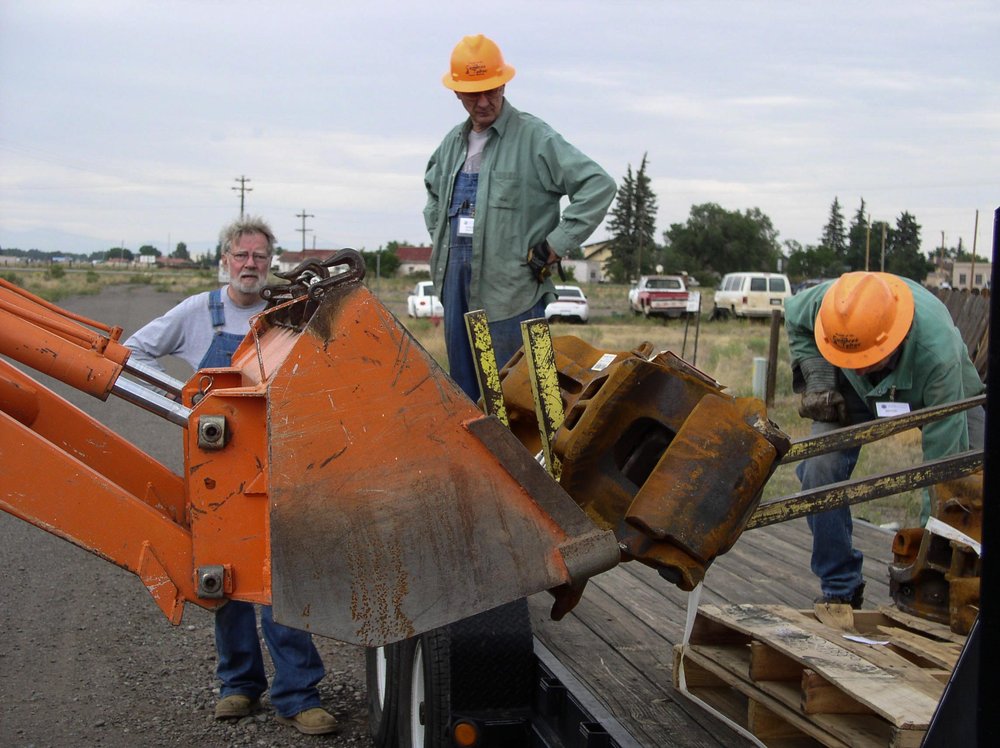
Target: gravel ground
[[86, 657]]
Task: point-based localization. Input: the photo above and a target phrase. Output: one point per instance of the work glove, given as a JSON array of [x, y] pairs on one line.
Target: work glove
[[821, 400], [540, 260], [827, 406]]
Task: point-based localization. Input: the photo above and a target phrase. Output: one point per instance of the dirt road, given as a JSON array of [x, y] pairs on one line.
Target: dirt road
[[86, 657]]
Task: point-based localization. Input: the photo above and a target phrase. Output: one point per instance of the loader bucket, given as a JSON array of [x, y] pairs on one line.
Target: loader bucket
[[396, 506]]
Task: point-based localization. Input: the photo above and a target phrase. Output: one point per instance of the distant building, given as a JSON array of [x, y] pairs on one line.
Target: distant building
[[414, 260], [968, 276]]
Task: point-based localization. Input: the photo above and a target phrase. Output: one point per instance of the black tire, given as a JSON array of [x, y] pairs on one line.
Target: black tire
[[425, 691], [382, 666], [482, 663]]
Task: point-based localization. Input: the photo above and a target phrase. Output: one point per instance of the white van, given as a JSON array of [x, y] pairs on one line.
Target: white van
[[751, 295]]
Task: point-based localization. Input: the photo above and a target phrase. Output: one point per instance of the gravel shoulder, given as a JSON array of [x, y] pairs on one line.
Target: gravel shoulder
[[86, 657]]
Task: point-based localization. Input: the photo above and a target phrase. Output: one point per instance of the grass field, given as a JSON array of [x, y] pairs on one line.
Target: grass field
[[725, 350]]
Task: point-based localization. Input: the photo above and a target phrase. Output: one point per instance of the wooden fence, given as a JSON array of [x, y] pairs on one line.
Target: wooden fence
[[971, 313]]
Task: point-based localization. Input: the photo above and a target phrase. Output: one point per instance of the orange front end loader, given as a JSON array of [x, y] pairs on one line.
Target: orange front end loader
[[333, 471]]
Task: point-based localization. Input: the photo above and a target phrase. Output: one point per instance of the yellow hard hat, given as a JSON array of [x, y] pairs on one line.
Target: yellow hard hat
[[863, 319], [477, 65]]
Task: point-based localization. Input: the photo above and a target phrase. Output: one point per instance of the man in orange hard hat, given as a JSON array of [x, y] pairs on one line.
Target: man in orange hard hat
[[494, 187], [863, 346]]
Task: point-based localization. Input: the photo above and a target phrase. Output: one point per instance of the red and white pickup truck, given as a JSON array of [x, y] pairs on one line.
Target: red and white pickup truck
[[663, 295]]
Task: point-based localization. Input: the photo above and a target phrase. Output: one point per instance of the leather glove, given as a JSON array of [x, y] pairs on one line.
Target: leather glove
[[540, 260], [827, 406]]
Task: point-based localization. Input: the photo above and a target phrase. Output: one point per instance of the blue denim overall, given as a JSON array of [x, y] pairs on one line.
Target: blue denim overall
[[505, 333], [297, 664]]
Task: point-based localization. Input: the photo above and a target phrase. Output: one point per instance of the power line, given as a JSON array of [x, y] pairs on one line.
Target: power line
[[243, 189], [303, 215]]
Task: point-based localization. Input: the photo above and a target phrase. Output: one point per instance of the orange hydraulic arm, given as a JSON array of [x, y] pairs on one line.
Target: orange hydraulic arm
[[67, 473]]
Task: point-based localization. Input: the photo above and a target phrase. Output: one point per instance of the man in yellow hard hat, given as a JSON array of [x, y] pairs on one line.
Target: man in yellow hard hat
[[494, 187], [863, 346]]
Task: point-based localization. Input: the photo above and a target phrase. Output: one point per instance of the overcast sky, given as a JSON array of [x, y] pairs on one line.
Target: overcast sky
[[131, 121]]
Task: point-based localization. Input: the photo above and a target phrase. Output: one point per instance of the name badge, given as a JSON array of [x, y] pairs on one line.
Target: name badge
[[466, 225], [885, 409]]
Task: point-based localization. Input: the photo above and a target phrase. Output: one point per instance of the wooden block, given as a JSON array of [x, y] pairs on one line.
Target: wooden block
[[766, 663], [819, 696]]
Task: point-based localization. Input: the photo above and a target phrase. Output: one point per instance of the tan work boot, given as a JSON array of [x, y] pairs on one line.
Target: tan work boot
[[235, 706], [315, 721]]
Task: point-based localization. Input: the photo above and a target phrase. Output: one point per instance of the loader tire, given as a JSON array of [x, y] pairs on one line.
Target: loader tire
[[478, 665], [382, 666]]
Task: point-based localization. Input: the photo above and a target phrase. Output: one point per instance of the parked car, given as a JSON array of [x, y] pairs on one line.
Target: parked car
[[751, 295], [423, 302], [571, 305], [664, 295]]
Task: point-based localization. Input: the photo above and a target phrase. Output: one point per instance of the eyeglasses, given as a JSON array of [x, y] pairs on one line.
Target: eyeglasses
[[242, 257], [473, 96]]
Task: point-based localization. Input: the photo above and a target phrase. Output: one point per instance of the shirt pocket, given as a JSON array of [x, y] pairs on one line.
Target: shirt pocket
[[505, 190]]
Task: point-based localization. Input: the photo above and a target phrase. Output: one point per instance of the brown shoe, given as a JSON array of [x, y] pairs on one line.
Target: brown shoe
[[235, 706], [315, 721]]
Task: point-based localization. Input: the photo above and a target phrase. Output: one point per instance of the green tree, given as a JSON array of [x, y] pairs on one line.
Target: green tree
[[717, 241], [858, 245], [181, 253], [147, 250], [633, 227], [835, 233], [120, 253], [903, 255], [385, 262]]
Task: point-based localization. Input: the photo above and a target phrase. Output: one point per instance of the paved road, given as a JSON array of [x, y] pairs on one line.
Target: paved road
[[86, 658]]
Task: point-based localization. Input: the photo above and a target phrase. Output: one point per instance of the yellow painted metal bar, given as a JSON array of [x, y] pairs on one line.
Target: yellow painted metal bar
[[485, 363], [544, 380], [860, 490]]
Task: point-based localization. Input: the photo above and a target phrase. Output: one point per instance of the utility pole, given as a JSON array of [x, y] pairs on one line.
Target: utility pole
[[868, 239], [972, 270], [303, 215], [882, 268], [242, 189]]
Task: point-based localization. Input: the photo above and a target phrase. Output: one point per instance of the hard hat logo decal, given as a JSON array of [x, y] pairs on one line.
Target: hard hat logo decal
[[475, 69], [846, 342]]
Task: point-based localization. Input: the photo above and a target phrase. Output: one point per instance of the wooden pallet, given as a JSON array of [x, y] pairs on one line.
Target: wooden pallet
[[793, 681]]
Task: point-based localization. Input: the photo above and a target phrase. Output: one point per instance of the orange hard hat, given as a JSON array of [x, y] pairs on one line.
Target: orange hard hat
[[477, 65], [863, 319]]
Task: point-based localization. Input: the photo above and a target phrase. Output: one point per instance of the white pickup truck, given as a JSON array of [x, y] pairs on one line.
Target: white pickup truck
[[660, 295]]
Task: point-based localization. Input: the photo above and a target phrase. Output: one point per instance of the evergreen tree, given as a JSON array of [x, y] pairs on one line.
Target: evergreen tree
[[834, 236], [903, 255], [633, 227], [857, 238]]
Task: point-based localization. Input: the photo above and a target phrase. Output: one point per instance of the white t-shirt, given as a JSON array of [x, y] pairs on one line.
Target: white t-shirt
[[186, 330], [474, 156]]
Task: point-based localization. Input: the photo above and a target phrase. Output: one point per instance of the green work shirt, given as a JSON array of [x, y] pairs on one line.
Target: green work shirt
[[934, 367], [526, 169]]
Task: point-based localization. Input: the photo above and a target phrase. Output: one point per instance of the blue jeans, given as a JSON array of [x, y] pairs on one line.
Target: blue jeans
[[834, 559], [297, 664], [506, 333]]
